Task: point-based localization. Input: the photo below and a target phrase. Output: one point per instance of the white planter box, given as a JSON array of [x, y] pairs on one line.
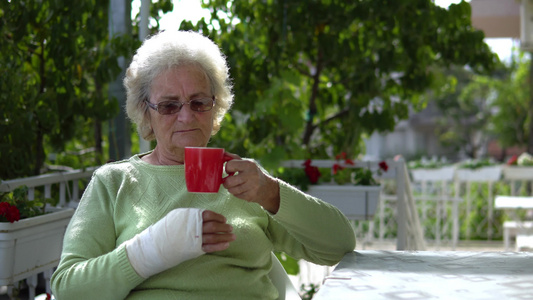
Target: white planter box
[[492, 173], [439, 174], [355, 202], [31, 246], [517, 173]]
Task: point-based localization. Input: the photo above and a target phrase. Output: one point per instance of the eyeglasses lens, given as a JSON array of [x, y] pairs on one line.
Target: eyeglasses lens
[[168, 108], [172, 107], [201, 104]]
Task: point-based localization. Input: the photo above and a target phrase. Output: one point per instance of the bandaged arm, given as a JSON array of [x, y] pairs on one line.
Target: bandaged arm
[[172, 240]]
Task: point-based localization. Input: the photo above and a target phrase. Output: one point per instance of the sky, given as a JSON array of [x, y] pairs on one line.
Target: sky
[[192, 10]]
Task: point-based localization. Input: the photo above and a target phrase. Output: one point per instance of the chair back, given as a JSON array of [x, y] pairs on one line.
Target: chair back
[[282, 282]]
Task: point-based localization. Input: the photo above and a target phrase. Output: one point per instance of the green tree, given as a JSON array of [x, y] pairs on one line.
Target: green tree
[[465, 102], [54, 64], [478, 108], [56, 59], [511, 121], [316, 75]]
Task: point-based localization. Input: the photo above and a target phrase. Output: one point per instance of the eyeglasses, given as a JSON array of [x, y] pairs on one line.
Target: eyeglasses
[[172, 107]]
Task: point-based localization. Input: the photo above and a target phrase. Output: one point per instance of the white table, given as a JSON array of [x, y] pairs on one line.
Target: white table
[[523, 230], [430, 275]]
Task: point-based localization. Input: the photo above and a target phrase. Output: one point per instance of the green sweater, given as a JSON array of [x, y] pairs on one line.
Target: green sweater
[[125, 197]]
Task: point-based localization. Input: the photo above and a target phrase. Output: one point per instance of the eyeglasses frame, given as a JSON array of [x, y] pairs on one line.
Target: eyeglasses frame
[[155, 106]]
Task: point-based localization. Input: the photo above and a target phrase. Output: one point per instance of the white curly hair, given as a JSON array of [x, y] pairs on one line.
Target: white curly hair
[[168, 49]]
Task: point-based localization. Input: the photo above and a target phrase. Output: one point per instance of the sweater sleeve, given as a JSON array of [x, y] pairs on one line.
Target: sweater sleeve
[[92, 265], [309, 228]]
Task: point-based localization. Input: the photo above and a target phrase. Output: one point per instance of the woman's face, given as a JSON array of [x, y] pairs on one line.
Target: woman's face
[[185, 128]]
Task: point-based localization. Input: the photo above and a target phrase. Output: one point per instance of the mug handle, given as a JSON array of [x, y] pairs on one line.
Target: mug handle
[[227, 158]]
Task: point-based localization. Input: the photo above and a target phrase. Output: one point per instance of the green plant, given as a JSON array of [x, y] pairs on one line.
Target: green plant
[[340, 173], [289, 264], [476, 163], [424, 163], [15, 206], [294, 176], [308, 291], [364, 177], [357, 176]]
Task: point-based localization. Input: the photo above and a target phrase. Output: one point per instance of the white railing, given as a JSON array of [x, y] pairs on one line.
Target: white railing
[[66, 187], [458, 204], [67, 184]]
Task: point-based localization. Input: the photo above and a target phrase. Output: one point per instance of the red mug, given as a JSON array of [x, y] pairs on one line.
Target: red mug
[[203, 169]]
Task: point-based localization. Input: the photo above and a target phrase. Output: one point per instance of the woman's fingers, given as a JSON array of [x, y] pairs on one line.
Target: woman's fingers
[[252, 184], [208, 216], [216, 242], [216, 233], [245, 182], [234, 156]]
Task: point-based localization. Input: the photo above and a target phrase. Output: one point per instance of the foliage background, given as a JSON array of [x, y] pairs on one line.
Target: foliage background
[[313, 77], [56, 62]]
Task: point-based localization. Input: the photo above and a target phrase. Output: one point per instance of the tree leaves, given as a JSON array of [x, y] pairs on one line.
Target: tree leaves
[[55, 62], [361, 65]]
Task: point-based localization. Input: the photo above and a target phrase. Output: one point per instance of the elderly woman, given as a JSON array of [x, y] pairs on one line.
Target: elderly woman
[[138, 233]]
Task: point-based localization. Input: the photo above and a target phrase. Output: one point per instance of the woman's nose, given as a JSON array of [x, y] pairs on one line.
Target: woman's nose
[[186, 114]]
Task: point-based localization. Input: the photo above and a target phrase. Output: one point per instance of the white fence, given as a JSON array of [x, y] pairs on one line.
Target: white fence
[[455, 204], [66, 187]]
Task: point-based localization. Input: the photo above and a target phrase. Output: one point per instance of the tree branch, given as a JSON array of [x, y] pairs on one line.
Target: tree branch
[[301, 71], [309, 128], [331, 118]]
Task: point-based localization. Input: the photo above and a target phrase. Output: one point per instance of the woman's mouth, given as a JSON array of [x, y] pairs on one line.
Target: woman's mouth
[[185, 130]]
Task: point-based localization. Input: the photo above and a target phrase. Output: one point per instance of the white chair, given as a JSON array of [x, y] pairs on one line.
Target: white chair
[[523, 230], [282, 282]]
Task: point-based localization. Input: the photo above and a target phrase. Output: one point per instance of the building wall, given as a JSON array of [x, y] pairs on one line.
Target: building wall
[[406, 140], [412, 138], [497, 18]]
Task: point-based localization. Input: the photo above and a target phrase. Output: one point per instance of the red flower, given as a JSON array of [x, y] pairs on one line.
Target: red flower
[[312, 172], [340, 156], [383, 165], [513, 160], [4, 206], [346, 160], [10, 212], [337, 168], [307, 163]]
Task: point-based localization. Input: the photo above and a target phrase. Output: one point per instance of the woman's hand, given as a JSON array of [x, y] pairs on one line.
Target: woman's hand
[[216, 233], [252, 184]]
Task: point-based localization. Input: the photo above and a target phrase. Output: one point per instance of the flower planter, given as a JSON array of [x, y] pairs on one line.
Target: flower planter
[[31, 246], [492, 173], [355, 202], [440, 174], [518, 173]]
